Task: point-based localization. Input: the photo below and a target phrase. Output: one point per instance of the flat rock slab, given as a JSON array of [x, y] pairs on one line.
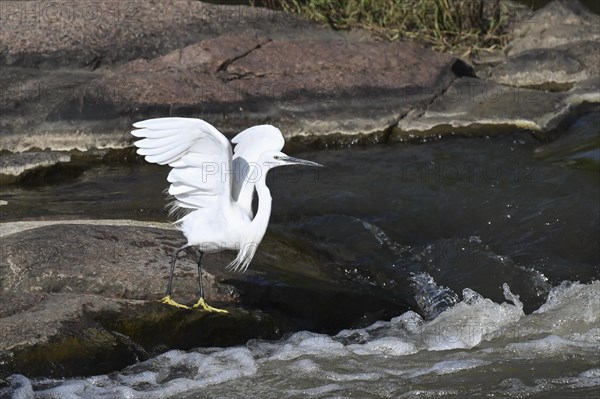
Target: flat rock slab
[[307, 87], [558, 23], [553, 49], [472, 106], [80, 299], [52, 52], [234, 66], [96, 34], [556, 69], [117, 261]]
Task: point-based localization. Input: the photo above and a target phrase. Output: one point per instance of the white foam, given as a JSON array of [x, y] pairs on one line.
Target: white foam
[[306, 366], [145, 377], [409, 321], [334, 376], [170, 374], [384, 346], [306, 343], [449, 367], [591, 373], [571, 311], [471, 321], [577, 303], [549, 346], [380, 360], [21, 387], [434, 393], [316, 391]]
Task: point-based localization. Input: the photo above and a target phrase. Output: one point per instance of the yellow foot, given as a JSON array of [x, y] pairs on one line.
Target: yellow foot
[[168, 301], [206, 307]]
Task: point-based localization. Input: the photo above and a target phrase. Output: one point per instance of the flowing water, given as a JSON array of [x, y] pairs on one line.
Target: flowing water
[[493, 241], [478, 348]]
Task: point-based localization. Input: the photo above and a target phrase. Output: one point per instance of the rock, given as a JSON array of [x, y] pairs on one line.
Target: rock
[[237, 66], [587, 91], [550, 68], [16, 166], [307, 87], [80, 299], [117, 261], [49, 107], [558, 23], [72, 334], [554, 48], [77, 298], [556, 69], [471, 106], [29, 94], [92, 35], [52, 52], [578, 146]]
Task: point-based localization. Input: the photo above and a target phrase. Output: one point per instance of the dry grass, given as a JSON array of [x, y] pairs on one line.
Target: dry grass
[[446, 25]]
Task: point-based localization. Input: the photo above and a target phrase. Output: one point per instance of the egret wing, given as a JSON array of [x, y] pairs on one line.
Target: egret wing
[[198, 153]]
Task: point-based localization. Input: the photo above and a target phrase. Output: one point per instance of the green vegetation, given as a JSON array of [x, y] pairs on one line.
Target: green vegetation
[[446, 25]]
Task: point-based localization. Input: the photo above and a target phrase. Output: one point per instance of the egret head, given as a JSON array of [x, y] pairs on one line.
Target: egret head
[[274, 159]]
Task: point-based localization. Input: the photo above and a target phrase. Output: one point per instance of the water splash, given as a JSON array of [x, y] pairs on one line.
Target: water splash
[[432, 298], [383, 239]]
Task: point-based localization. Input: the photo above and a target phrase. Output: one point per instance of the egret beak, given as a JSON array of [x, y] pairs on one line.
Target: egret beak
[[297, 161]]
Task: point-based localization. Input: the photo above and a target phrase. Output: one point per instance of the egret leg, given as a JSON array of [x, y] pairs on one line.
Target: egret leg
[[200, 288], [167, 299], [201, 301]]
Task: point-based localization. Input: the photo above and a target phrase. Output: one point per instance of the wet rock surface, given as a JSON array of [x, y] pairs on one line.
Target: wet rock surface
[[70, 335], [81, 299], [12, 166], [477, 105]]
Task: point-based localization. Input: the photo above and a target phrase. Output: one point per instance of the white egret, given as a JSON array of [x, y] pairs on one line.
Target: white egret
[[213, 187]]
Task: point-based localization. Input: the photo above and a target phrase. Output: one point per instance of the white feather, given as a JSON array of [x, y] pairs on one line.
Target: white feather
[[190, 146]]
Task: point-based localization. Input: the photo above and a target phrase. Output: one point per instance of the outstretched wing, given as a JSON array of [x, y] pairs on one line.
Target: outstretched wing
[[198, 153]]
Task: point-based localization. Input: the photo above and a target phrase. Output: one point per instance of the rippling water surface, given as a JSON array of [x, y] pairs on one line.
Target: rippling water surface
[[492, 241]]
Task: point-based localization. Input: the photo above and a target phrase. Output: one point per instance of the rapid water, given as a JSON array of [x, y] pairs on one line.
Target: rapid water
[[492, 242], [478, 348]]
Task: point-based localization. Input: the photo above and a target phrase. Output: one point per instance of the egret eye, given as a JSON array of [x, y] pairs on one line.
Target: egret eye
[[277, 157]]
